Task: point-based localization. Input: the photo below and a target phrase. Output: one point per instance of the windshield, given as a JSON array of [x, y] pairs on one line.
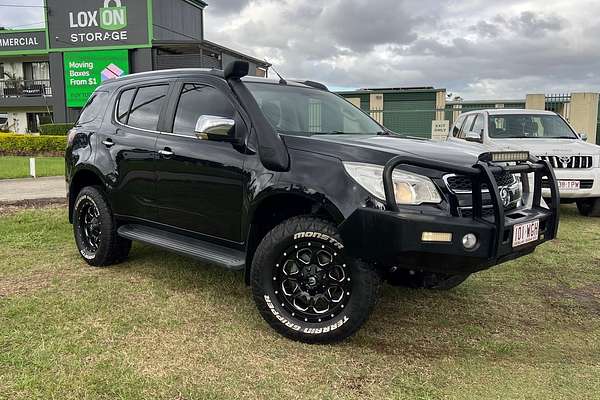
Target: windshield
[[305, 111], [529, 126]]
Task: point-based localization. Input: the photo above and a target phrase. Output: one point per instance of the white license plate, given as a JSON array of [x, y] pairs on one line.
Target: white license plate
[[526, 233], [569, 185]]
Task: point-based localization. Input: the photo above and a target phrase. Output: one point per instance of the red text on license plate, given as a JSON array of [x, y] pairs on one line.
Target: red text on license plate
[[526, 233]]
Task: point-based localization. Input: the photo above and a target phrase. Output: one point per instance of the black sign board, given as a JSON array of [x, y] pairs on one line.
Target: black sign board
[[22, 42], [98, 23]]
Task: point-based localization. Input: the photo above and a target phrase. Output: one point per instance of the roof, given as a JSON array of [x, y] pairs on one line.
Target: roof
[[178, 72], [391, 90], [207, 44], [504, 111], [477, 102]]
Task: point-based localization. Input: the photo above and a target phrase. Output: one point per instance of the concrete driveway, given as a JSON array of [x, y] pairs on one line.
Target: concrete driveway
[[30, 188]]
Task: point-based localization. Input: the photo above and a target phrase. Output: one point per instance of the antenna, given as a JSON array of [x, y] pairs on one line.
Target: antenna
[[281, 80]]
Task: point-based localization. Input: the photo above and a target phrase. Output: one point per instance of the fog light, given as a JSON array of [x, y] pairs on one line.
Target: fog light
[[469, 241], [436, 237]]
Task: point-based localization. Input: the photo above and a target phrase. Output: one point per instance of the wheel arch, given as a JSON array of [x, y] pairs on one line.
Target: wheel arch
[[271, 209], [83, 177]]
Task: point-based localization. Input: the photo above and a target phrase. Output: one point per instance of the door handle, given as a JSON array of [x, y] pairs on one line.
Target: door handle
[[108, 143], [166, 152]]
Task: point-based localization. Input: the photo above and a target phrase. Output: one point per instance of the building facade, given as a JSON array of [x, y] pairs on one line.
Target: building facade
[[46, 75]]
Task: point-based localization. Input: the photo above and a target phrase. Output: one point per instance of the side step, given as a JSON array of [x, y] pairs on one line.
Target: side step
[[199, 249]]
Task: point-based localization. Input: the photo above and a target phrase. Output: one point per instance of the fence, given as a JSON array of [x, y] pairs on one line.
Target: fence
[[28, 88]]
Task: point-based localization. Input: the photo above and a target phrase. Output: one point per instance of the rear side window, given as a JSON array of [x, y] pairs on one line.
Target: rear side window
[[197, 100], [93, 108], [125, 105], [146, 107]]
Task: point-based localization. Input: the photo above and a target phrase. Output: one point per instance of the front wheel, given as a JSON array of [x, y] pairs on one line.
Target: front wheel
[[305, 286], [589, 207]]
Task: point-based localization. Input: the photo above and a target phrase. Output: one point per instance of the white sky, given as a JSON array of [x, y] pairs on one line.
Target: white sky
[[478, 49]]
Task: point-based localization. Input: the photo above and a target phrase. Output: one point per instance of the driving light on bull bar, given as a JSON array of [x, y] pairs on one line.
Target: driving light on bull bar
[[469, 241], [504, 156], [436, 237]]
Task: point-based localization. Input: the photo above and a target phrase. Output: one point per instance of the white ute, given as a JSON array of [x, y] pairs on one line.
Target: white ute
[[545, 135]]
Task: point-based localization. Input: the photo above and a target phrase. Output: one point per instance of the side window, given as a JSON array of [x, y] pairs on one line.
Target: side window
[[93, 108], [197, 100], [456, 129], [146, 107], [125, 105], [467, 126], [478, 125]]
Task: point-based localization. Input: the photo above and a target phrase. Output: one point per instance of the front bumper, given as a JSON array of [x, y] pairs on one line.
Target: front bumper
[[394, 237], [589, 181]]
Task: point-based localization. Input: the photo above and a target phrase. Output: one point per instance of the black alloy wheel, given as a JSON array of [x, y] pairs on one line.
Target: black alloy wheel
[[313, 281]]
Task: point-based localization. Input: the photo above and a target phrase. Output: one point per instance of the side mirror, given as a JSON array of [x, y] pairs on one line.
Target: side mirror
[[583, 136], [214, 128], [473, 137]]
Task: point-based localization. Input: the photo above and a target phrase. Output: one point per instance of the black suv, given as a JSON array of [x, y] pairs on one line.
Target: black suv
[[313, 199]]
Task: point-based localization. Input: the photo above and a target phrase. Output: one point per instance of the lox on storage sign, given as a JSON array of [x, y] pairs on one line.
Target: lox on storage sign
[[86, 70]]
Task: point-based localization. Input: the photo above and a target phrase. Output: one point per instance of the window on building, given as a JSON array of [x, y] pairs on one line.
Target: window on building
[[36, 71], [146, 107], [124, 105], [197, 100], [2, 71]]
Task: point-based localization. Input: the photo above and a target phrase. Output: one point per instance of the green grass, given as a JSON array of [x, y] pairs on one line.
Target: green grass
[[165, 327], [18, 167]]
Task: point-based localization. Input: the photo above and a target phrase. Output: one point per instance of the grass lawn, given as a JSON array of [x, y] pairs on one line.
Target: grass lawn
[[166, 327], [18, 167]]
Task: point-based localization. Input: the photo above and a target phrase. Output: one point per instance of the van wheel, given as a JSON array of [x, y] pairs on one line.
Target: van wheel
[[426, 280], [589, 207], [306, 287], [96, 231]]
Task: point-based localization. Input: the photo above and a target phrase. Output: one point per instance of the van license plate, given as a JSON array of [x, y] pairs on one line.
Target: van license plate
[[526, 233], [569, 185]]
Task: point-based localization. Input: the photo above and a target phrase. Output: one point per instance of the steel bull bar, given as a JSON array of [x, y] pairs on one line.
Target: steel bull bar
[[483, 173]]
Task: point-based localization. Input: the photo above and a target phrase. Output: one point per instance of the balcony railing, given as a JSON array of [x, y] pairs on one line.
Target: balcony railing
[[22, 88]]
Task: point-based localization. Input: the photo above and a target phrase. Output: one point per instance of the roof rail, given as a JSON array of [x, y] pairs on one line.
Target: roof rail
[[313, 84]]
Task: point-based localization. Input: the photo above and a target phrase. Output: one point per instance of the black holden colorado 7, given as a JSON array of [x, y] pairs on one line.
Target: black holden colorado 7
[[314, 200]]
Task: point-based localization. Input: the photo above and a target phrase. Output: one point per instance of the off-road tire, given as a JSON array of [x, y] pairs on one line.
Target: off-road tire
[[426, 280], [111, 249], [363, 287], [589, 207]]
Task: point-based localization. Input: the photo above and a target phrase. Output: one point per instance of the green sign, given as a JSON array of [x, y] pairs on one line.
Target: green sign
[[86, 70]]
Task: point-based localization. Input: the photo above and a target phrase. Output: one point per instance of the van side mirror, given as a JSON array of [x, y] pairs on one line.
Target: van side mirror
[[583, 136], [473, 137], [214, 128]]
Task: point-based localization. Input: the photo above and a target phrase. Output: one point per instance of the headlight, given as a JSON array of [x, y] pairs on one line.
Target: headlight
[[409, 188]]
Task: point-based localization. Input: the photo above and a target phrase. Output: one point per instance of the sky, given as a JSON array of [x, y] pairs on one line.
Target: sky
[[476, 49]]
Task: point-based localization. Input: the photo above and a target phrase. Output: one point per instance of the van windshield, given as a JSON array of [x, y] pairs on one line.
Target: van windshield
[[529, 126], [305, 111]]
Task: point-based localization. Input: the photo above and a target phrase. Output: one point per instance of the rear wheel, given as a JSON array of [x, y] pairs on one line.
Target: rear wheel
[[589, 207], [96, 231], [426, 280], [305, 286]]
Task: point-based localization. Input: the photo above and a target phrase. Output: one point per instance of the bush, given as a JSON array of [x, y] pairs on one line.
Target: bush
[[27, 145], [55, 129]]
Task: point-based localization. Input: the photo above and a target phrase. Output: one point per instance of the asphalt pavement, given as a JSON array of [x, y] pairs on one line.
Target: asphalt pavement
[[32, 188]]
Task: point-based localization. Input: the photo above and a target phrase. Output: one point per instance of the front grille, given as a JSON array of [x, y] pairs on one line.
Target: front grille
[[569, 161], [468, 212], [583, 184], [462, 184]]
